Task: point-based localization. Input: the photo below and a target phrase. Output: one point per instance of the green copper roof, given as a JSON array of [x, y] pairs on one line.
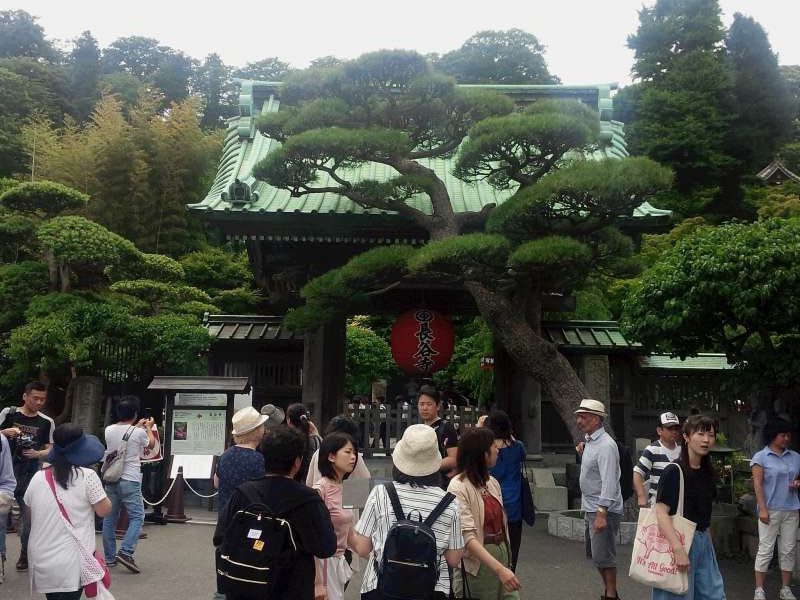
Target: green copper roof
[[244, 147]]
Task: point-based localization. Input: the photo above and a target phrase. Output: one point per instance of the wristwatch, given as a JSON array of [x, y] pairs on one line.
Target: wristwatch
[[602, 510]]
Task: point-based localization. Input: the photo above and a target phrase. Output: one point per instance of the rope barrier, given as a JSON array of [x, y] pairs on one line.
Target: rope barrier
[[171, 485], [198, 494]]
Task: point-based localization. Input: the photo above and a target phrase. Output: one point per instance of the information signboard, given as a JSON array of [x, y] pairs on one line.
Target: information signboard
[[197, 431]]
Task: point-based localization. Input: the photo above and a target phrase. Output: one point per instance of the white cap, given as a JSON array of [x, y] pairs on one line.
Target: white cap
[[668, 419]]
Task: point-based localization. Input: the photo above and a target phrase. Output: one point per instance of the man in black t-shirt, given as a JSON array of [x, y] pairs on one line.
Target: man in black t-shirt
[[30, 434], [428, 404]]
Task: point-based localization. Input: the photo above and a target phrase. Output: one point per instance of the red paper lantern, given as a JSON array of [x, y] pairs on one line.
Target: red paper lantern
[[422, 341]]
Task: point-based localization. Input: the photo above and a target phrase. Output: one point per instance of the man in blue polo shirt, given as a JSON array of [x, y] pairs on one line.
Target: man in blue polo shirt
[[776, 479]]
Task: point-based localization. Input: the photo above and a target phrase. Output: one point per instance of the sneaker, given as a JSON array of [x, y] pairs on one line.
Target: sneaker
[[111, 563], [786, 594], [22, 563], [126, 560], [759, 594]]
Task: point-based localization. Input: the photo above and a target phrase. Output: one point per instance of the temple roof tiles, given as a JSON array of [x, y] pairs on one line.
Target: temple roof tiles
[[244, 147]]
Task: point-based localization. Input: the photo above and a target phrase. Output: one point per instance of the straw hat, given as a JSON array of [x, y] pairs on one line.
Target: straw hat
[[246, 420], [593, 407], [417, 452], [275, 415]]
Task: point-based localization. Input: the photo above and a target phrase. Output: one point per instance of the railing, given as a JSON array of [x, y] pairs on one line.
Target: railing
[[380, 428]]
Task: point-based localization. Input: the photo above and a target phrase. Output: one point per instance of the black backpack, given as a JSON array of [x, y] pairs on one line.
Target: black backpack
[[256, 553], [625, 471], [409, 567]]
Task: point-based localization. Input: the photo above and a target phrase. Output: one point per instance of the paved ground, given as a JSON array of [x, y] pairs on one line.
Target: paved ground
[[177, 563]]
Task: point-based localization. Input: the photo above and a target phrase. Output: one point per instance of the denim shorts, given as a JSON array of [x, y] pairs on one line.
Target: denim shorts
[[601, 546]]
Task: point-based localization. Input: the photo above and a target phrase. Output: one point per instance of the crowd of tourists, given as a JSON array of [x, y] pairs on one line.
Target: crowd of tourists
[[448, 523]]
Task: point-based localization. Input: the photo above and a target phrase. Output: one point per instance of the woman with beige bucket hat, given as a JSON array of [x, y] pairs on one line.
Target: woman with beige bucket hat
[[416, 462]]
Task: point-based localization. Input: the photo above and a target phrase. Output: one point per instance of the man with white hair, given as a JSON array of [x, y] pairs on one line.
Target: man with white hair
[[601, 499]]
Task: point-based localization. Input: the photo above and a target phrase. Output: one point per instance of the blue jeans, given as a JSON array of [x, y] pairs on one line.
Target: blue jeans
[[705, 580], [129, 494]]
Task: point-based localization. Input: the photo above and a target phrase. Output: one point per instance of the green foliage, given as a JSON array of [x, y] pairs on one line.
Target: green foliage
[[655, 245], [581, 198], [553, 260], [368, 358], [84, 75], [216, 269], [17, 239], [267, 69], [147, 266], [21, 35], [521, 148], [684, 102], [730, 288], [18, 284], [474, 340], [475, 256], [507, 57], [384, 263], [43, 198], [791, 156], [238, 301], [78, 240], [65, 331], [765, 108], [160, 295]]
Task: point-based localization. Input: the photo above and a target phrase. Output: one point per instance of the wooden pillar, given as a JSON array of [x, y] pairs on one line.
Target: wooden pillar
[[323, 370]]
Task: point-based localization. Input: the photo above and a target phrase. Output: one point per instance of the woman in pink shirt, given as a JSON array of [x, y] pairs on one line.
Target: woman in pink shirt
[[337, 458]]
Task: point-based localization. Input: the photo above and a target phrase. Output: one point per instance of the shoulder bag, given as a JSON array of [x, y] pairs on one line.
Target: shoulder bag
[[652, 559], [95, 578]]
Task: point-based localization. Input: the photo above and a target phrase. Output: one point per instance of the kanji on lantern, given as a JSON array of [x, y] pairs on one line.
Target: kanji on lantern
[[422, 341]]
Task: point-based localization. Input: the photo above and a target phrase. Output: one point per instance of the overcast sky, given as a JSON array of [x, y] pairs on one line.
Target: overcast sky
[[585, 39]]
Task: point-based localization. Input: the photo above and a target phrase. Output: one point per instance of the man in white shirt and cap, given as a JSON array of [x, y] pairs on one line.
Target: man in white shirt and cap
[[601, 495]]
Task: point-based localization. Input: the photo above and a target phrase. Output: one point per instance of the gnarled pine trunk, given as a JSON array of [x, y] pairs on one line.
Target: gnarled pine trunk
[[533, 355]]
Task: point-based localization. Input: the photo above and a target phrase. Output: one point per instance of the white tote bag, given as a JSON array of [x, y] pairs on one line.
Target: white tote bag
[[652, 560]]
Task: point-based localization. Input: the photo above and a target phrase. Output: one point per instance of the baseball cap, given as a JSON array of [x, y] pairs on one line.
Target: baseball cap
[[668, 419]]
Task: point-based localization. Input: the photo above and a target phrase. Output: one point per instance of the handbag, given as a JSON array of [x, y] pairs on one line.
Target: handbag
[[526, 497], [114, 464], [95, 578], [652, 559]]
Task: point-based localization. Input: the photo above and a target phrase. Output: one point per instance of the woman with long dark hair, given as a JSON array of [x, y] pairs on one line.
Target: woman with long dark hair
[[298, 418], [339, 424], [508, 471], [337, 459], [705, 580], [63, 500], [487, 557]]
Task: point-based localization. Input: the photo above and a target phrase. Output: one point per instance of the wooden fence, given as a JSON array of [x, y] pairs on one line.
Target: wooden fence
[[380, 427]]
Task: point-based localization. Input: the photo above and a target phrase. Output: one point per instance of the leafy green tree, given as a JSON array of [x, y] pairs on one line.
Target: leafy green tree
[[18, 284], [684, 102], [368, 358], [730, 288], [387, 107], [21, 35], [169, 70], [473, 342], [214, 86], [267, 69], [85, 71], [216, 269], [764, 106], [48, 85], [510, 57]]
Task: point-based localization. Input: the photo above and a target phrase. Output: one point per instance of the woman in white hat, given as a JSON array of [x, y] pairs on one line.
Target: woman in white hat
[[242, 461], [416, 480]]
